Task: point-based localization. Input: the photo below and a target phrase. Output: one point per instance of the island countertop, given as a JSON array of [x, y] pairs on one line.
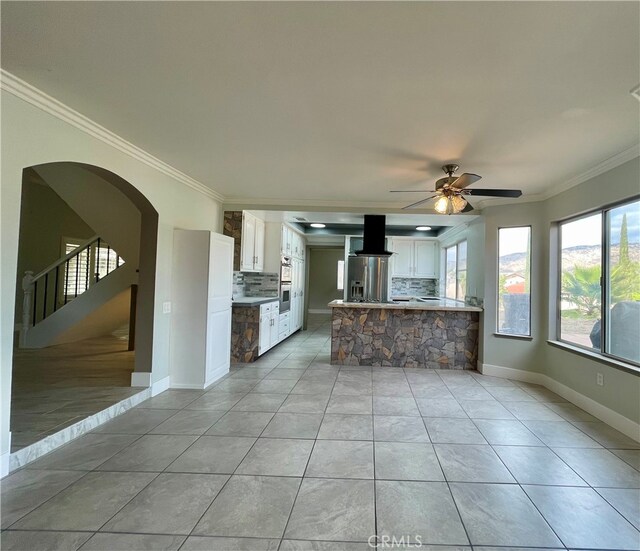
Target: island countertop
[[440, 304]]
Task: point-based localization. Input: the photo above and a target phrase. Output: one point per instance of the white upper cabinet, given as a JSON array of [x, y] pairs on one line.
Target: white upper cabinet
[[258, 248], [425, 259], [297, 245], [414, 258], [252, 244], [402, 260], [285, 245]]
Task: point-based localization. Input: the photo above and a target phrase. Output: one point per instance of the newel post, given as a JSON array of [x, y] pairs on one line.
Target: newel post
[[27, 306]]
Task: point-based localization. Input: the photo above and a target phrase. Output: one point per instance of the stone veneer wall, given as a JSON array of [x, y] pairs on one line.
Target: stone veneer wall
[[415, 287], [404, 338], [245, 328], [232, 226]]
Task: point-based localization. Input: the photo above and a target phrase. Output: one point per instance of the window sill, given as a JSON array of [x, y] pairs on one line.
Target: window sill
[[595, 356], [513, 336]]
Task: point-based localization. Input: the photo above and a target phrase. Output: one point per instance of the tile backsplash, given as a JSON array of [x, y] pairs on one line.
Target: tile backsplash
[[250, 284], [474, 301], [409, 286]]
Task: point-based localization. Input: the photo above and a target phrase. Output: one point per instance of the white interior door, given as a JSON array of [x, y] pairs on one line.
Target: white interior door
[[218, 354]]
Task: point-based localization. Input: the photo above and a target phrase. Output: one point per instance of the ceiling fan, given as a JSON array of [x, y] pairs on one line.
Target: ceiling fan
[[451, 191]]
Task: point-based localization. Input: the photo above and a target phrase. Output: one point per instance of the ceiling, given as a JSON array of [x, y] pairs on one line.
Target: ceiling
[[326, 103]]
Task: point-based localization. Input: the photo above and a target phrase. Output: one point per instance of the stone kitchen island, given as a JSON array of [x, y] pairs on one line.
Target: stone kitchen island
[[433, 334]]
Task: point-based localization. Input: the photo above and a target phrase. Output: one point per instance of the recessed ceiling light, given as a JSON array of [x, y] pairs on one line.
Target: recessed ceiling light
[[317, 225], [423, 228]]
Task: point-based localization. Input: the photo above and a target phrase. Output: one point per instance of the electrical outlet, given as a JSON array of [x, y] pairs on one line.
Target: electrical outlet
[[600, 379], [166, 307]]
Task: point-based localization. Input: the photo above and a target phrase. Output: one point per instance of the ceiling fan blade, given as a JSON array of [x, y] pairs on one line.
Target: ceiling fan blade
[[411, 191], [465, 180], [413, 205], [494, 192], [467, 208]]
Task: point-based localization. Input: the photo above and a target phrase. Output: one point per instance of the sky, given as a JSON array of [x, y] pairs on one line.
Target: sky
[[587, 231], [513, 240]]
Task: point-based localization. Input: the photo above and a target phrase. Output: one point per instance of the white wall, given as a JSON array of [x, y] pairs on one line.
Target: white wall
[[473, 233], [106, 209], [32, 136], [504, 351], [45, 219], [621, 392]]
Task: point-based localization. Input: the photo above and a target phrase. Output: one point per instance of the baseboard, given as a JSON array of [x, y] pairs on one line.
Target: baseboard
[[186, 386], [511, 373], [318, 311], [612, 418], [215, 377], [139, 378], [160, 386]]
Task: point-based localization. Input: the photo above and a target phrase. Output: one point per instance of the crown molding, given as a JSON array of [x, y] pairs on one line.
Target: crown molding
[[36, 97], [262, 203], [602, 167], [556, 189]]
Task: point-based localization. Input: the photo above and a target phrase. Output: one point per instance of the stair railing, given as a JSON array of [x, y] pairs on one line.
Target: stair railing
[[64, 280]]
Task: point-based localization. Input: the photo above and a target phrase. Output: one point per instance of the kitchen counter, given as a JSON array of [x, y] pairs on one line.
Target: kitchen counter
[[431, 334], [439, 304], [253, 301]]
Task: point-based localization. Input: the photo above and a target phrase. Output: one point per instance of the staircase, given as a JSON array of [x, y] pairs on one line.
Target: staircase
[[84, 294]]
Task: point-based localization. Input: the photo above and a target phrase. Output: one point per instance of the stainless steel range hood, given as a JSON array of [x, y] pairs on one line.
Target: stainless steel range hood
[[373, 236]]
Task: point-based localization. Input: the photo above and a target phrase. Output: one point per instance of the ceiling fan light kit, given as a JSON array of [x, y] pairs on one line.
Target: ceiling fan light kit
[[450, 190], [453, 204]]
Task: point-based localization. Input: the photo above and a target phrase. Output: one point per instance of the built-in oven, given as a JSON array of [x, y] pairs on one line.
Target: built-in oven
[[285, 297], [285, 284], [285, 269]]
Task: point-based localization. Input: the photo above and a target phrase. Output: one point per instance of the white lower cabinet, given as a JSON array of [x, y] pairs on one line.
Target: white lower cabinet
[[284, 326], [269, 332]]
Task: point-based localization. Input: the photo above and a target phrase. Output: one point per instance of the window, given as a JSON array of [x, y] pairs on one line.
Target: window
[[599, 303], [461, 278], [86, 267], [455, 267], [580, 271], [514, 281], [340, 275], [76, 275], [450, 272], [622, 281]]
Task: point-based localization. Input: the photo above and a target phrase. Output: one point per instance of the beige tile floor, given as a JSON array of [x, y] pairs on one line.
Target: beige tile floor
[[291, 453], [55, 387]]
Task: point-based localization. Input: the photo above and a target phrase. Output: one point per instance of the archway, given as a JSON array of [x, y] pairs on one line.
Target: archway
[[90, 285]]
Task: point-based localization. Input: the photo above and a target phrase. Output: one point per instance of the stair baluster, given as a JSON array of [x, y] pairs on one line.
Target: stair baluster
[[91, 252]]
